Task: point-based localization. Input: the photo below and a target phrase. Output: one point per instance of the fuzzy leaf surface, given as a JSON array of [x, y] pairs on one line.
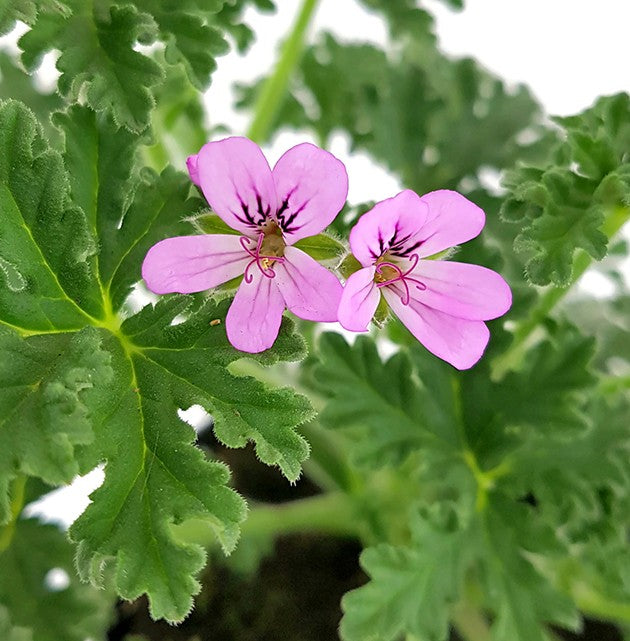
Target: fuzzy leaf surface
[[43, 383], [98, 57], [46, 248], [561, 206], [154, 475]]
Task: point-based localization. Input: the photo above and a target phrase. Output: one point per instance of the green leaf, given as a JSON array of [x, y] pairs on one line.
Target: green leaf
[[411, 588], [154, 477], [129, 210], [17, 85], [98, 58], [562, 205], [523, 599], [46, 249], [43, 385], [38, 555], [188, 37], [97, 41], [196, 354], [556, 374], [26, 11], [390, 411]]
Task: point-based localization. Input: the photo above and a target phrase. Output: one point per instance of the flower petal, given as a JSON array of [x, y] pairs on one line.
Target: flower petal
[[253, 320], [359, 300], [312, 186], [310, 291], [193, 171], [458, 341], [459, 289], [236, 180], [452, 220], [187, 264], [393, 225]]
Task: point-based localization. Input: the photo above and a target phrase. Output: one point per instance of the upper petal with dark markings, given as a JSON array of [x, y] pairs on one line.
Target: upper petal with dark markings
[[312, 186], [236, 180]]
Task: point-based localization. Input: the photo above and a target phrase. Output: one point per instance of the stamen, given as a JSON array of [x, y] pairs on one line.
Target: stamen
[[262, 262], [401, 276]]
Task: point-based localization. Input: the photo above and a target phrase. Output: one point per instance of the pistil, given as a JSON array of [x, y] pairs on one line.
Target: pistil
[[388, 273], [269, 250]]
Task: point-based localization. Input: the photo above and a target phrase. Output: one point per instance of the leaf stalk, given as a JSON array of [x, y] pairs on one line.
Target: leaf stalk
[[274, 88]]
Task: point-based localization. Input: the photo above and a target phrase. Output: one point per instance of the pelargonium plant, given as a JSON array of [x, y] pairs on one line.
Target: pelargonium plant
[[384, 420]]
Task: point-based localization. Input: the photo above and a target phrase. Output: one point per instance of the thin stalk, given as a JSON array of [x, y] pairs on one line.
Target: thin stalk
[[274, 88], [552, 296], [596, 606], [17, 503], [330, 513]]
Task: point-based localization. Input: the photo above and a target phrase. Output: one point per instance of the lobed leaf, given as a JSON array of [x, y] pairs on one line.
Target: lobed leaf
[[562, 206], [43, 384], [391, 411], [154, 476], [46, 249], [98, 58], [411, 588]]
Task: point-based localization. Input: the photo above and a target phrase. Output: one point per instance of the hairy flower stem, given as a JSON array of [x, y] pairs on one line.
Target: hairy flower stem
[[512, 356], [332, 513], [17, 503], [274, 88]]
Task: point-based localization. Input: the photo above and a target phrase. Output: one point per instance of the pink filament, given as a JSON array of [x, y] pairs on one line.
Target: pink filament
[[257, 258], [403, 277]]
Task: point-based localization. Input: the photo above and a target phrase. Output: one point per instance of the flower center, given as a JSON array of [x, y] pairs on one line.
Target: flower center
[[269, 250], [388, 273]]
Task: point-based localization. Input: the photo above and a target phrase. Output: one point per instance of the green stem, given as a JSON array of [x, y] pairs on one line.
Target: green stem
[[470, 624], [613, 384], [330, 513], [17, 503], [513, 355], [594, 605], [274, 88]]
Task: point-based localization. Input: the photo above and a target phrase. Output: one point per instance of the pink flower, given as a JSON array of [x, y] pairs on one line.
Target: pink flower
[[442, 303], [271, 210]]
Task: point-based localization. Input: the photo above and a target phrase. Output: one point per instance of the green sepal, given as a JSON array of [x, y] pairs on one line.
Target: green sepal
[[321, 247], [210, 223], [381, 315], [349, 265]]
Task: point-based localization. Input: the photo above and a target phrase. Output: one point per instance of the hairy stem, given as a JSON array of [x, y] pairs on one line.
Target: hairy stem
[[330, 513], [274, 88], [513, 355], [17, 503]]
